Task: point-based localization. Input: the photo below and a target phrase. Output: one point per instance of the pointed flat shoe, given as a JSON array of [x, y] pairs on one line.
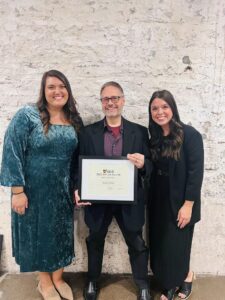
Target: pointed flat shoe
[[51, 293], [65, 291]]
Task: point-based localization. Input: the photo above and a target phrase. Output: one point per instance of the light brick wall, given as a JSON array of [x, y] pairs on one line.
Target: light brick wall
[[143, 45]]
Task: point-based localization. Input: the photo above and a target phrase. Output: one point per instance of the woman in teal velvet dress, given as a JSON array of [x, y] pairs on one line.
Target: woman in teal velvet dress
[[39, 154]]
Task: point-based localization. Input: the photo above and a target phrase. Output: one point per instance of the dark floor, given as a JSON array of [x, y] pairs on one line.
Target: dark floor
[[113, 287]]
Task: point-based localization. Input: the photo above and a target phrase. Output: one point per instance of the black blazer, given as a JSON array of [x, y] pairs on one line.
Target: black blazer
[[135, 140], [186, 174]]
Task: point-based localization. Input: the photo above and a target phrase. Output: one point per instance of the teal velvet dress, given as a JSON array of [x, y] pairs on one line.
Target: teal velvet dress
[[42, 238]]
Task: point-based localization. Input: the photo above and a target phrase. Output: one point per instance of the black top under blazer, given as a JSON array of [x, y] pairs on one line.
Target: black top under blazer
[[135, 140], [186, 174]]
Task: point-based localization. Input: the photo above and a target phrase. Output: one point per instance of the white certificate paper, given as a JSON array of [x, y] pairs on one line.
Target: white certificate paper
[[107, 180]]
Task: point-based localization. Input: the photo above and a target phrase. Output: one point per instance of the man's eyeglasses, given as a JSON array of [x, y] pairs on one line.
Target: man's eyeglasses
[[114, 99]]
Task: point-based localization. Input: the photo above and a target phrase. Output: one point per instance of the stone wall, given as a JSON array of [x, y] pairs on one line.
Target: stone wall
[[178, 45]]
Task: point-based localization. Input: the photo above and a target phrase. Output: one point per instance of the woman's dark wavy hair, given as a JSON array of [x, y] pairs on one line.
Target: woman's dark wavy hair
[[166, 147], [70, 110]]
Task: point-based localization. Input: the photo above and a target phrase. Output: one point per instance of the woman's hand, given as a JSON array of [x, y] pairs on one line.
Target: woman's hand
[[19, 203], [184, 214], [77, 200], [137, 159]]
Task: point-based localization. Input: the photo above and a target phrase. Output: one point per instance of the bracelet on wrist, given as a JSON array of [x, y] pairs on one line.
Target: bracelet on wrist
[[18, 193]]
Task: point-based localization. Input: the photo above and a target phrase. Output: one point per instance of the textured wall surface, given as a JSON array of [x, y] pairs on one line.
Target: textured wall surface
[[178, 45]]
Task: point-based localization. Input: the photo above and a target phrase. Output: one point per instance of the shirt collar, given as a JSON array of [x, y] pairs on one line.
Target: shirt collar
[[106, 127]]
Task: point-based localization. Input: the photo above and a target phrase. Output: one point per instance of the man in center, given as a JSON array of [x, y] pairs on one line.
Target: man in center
[[116, 136]]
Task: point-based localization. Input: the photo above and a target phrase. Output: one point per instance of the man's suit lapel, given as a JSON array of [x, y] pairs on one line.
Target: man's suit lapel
[[128, 138], [98, 138]]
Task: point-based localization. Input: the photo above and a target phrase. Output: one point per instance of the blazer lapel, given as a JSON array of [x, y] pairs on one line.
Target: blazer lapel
[[98, 139], [128, 138], [172, 163]]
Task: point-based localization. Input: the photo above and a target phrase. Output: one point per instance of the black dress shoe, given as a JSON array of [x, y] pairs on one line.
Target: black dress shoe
[[91, 291], [144, 294]]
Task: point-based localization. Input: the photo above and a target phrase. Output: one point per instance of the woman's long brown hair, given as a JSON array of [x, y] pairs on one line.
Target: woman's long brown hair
[[171, 146], [70, 110]]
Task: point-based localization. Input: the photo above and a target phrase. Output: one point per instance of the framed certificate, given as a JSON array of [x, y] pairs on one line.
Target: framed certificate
[[107, 180]]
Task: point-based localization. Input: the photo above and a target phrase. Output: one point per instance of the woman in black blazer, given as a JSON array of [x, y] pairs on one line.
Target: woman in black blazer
[[177, 154]]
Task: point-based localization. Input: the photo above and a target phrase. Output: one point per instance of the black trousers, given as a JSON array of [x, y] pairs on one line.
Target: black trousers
[[137, 249]]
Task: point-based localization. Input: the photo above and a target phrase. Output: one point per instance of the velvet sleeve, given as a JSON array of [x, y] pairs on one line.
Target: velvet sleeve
[[75, 162], [14, 149]]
